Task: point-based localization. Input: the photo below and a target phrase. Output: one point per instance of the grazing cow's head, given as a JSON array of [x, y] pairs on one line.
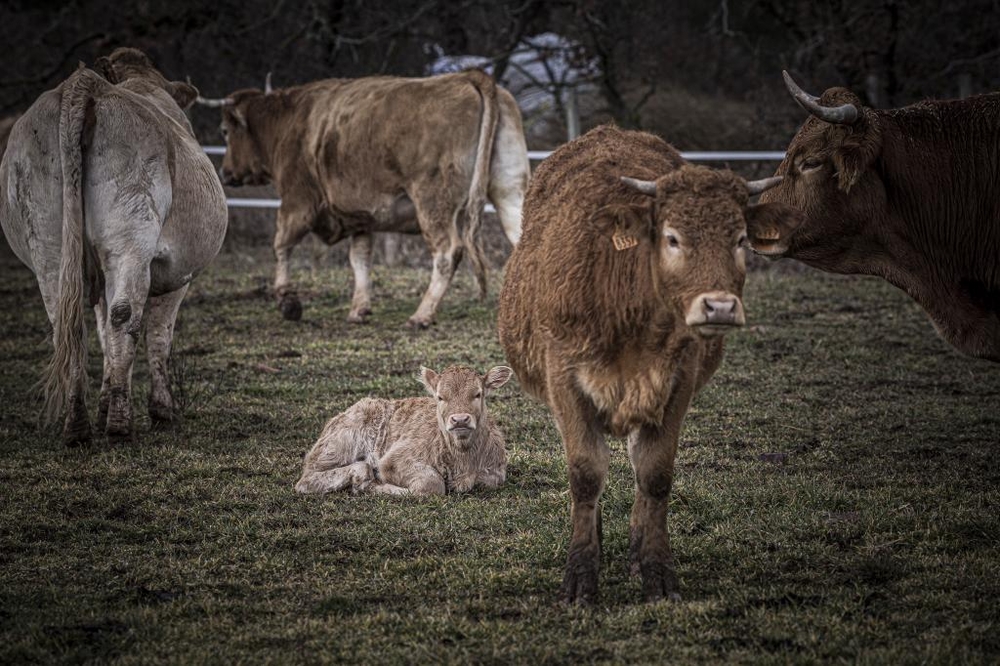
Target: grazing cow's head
[[461, 393], [128, 64], [699, 220], [829, 177], [245, 162]]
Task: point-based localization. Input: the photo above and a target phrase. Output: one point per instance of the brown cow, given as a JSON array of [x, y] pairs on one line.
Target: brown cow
[[613, 311], [353, 157], [911, 195], [425, 446]]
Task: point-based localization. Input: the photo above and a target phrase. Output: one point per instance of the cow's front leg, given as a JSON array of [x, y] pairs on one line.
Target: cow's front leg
[[587, 459], [291, 227], [651, 450], [361, 263], [162, 313]]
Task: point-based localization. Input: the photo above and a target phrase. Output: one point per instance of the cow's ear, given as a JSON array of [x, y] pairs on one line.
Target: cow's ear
[[496, 377], [770, 224], [429, 379], [104, 67], [183, 93], [860, 146], [626, 225], [237, 116]]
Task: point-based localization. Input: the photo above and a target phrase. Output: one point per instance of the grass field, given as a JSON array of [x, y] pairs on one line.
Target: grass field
[[836, 497]]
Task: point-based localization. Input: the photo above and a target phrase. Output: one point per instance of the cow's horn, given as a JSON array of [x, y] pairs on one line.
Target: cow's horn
[[267, 84], [845, 114], [644, 186], [214, 103], [758, 186]]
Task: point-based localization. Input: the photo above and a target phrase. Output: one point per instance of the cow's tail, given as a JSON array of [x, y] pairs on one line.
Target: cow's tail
[[69, 335], [479, 186]]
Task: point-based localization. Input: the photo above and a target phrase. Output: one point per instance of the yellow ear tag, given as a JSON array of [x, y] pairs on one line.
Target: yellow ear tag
[[622, 240]]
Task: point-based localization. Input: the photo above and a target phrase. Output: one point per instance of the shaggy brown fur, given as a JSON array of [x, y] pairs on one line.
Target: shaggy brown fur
[[425, 446], [911, 195], [352, 157], [613, 337]]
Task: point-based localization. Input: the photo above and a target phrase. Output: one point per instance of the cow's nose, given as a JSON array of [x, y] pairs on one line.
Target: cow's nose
[[720, 310], [460, 420], [716, 310]]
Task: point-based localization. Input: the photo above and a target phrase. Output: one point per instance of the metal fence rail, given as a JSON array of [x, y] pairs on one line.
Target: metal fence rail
[[538, 155]]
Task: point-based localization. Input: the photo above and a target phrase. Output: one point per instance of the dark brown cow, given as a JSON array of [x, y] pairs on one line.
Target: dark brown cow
[[613, 311], [353, 157], [911, 195]]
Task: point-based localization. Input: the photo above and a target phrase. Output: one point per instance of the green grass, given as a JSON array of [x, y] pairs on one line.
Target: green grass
[[836, 497]]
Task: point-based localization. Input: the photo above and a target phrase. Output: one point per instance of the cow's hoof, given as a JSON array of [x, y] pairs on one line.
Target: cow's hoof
[[659, 582], [418, 324], [119, 434], [161, 414], [579, 584], [290, 307], [77, 434], [359, 317]]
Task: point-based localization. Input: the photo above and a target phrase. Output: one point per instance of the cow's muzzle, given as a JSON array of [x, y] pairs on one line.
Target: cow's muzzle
[[461, 425], [715, 313]]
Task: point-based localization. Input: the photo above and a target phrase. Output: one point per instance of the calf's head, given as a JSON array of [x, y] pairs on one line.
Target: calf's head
[[460, 393], [698, 224], [830, 179]]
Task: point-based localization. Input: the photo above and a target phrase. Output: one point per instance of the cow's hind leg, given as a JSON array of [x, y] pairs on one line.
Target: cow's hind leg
[[126, 292], [439, 227], [587, 459], [356, 477], [348, 438], [160, 317], [361, 263]]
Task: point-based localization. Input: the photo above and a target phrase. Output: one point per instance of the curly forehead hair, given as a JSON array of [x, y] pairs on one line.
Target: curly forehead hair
[[700, 180]]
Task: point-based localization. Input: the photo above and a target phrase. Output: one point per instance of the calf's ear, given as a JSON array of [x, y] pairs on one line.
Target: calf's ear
[[497, 377], [429, 379]]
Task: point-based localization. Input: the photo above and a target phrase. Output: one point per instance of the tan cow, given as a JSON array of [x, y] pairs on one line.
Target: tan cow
[[107, 197], [613, 312], [350, 157], [425, 446]]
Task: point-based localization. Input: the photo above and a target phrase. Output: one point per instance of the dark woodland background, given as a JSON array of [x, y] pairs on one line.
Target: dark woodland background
[[704, 75]]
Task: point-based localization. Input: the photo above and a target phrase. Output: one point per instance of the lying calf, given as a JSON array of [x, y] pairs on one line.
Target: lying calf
[[425, 446]]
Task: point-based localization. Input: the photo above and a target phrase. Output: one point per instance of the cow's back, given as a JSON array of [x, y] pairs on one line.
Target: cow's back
[[565, 255], [382, 134]]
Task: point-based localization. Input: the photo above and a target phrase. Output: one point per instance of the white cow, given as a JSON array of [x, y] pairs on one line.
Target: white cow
[[107, 197]]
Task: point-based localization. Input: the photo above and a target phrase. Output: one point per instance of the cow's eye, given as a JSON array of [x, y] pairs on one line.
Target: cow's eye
[[810, 165], [478, 395], [742, 242], [440, 399], [225, 132], [672, 241]]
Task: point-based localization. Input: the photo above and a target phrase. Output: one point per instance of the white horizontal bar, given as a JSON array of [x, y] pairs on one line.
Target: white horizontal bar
[[694, 156], [276, 203]]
